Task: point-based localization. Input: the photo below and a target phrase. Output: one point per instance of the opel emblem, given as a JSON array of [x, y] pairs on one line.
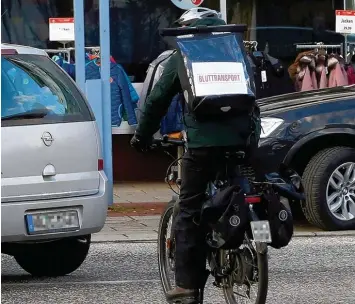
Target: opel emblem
[[47, 139]]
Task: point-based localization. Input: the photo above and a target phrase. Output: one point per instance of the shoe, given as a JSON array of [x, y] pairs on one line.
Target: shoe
[[182, 295]]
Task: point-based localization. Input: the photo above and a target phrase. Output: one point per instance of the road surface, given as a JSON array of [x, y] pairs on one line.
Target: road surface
[[317, 270]]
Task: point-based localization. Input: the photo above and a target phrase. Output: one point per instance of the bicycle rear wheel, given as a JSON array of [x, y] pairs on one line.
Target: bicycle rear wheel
[[248, 281], [166, 249]]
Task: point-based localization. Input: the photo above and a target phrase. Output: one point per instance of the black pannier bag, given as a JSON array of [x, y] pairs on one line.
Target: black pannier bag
[[214, 70], [279, 215], [280, 219], [225, 217]]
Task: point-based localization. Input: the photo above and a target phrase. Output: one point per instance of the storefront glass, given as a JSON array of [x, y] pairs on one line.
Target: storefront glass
[[297, 22], [135, 40]]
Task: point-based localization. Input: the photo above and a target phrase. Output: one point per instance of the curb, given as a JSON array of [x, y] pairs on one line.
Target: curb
[[305, 234], [125, 241]]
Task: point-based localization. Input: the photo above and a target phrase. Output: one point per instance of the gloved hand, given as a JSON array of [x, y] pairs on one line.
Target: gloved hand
[[140, 144]]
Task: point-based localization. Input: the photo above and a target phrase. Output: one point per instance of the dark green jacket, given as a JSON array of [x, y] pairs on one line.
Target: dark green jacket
[[199, 134]]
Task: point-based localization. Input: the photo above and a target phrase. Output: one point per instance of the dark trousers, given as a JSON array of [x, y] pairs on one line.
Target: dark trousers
[[199, 166]]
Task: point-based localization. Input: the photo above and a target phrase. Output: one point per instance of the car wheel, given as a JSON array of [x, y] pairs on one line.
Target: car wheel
[[55, 258], [329, 181]]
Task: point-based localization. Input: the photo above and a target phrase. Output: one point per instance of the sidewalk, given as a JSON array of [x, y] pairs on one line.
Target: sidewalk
[[134, 199], [145, 229], [135, 215], [152, 192]]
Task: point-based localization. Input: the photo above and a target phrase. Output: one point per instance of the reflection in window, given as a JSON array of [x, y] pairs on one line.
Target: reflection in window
[[32, 82]]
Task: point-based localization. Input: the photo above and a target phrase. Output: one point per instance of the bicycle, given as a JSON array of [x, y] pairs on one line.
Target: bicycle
[[240, 267]]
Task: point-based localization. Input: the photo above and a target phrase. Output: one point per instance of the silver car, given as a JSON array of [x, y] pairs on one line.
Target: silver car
[[53, 188]]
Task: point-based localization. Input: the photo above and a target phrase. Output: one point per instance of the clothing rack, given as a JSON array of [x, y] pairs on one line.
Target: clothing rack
[[59, 51], [93, 49], [321, 46]]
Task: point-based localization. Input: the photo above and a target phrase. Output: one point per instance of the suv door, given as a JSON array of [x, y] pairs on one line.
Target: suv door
[[50, 145]]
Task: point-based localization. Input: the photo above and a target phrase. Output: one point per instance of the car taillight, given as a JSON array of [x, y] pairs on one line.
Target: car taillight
[[100, 164], [8, 52], [253, 199]]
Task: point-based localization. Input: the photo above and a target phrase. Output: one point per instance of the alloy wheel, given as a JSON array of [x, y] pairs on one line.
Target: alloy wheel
[[341, 192]]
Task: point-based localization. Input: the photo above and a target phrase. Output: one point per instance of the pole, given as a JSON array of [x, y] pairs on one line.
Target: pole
[[223, 9], [79, 44], [345, 40], [106, 90]]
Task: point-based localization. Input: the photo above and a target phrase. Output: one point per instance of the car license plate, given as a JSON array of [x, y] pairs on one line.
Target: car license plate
[[261, 231], [52, 221]]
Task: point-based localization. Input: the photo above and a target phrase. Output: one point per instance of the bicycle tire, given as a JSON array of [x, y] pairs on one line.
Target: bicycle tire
[[162, 260], [263, 269]]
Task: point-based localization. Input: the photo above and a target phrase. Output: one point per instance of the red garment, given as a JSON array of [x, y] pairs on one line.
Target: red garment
[[351, 74]]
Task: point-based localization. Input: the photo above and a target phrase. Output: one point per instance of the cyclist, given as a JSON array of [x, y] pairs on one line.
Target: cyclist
[[207, 143]]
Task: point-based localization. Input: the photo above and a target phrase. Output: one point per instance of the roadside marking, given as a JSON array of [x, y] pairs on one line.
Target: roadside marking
[[78, 283]]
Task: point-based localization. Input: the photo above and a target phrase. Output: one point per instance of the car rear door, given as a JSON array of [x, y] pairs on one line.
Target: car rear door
[[50, 144]]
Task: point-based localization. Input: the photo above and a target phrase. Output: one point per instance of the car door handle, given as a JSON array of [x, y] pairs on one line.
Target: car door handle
[[49, 170]]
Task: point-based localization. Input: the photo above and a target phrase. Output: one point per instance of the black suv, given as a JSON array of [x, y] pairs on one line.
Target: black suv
[[314, 133]]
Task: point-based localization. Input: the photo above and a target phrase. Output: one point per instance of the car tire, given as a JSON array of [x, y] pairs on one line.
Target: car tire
[[55, 258], [316, 179]]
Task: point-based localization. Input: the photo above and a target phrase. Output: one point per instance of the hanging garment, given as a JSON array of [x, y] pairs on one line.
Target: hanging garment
[[309, 81], [132, 90], [119, 78], [293, 69], [351, 74], [120, 96], [92, 71], [305, 78], [269, 75], [323, 82], [94, 56], [337, 76], [66, 66], [321, 74]]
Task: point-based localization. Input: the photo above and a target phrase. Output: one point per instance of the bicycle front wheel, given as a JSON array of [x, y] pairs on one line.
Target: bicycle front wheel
[[248, 281], [166, 248]]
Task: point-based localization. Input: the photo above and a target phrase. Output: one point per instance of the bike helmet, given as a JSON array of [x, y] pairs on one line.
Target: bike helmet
[[197, 13]]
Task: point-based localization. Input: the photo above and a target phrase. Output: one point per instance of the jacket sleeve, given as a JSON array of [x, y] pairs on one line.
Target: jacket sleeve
[[159, 99]]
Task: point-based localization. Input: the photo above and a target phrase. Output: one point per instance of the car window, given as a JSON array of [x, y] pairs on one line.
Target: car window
[[34, 90]]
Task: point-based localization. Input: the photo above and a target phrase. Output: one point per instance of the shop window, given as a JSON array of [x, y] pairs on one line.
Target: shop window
[[302, 21], [135, 24]]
